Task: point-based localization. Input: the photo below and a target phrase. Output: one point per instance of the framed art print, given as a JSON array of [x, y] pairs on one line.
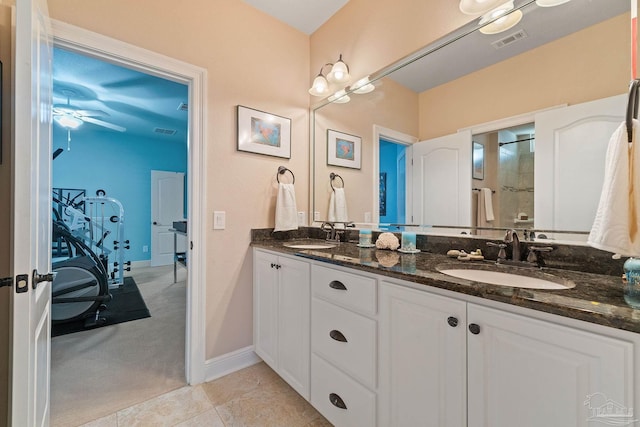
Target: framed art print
[[263, 133], [478, 161], [343, 149]]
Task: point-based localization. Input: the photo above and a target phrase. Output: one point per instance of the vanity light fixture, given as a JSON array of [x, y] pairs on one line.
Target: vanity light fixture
[[502, 19], [551, 3], [363, 86], [478, 7], [339, 74], [340, 97]]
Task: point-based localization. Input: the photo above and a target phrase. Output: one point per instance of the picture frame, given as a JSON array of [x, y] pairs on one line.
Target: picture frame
[[263, 133], [478, 161], [343, 150]]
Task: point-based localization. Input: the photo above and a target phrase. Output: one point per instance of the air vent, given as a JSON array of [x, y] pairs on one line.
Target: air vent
[[183, 107], [511, 38], [165, 131]]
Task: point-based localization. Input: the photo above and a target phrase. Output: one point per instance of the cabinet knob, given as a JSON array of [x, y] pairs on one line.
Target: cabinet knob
[[335, 284], [474, 328], [337, 401], [452, 321], [338, 336]]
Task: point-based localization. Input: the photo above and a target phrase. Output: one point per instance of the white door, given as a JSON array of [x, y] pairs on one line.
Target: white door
[[442, 180], [402, 167], [567, 187], [31, 238], [167, 206]]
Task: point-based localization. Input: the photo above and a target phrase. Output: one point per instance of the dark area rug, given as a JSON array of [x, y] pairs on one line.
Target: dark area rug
[[126, 305]]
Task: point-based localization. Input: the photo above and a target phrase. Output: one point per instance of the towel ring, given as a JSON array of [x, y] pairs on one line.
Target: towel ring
[[333, 176], [632, 108], [281, 171], [478, 189]]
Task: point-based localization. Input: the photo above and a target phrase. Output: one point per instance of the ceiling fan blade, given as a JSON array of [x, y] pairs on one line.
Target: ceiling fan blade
[[92, 113], [104, 124]]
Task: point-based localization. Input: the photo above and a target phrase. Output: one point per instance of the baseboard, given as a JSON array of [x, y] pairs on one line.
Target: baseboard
[[230, 362], [140, 264]]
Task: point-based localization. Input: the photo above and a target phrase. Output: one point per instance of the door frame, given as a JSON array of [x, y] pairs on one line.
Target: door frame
[[398, 138], [124, 54]]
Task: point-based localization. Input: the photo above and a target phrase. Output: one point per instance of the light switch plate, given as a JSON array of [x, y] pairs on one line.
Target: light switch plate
[[301, 219], [219, 220], [316, 216]]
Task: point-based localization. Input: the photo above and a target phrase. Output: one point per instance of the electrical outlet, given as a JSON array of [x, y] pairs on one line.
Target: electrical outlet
[[301, 219], [316, 216], [219, 220], [145, 248], [367, 217]]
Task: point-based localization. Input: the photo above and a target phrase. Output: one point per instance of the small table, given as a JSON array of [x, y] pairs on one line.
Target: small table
[[178, 257]]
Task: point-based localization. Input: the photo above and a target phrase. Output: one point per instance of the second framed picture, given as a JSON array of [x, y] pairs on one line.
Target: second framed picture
[[263, 133], [343, 149]]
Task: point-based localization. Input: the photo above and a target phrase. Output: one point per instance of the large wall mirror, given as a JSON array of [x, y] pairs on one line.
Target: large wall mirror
[[538, 102]]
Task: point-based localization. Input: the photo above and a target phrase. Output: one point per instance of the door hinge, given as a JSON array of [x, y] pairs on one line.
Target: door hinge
[[6, 281]]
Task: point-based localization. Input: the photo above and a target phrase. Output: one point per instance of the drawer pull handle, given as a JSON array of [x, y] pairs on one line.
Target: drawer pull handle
[[338, 336], [452, 321], [474, 328], [337, 285], [337, 401]]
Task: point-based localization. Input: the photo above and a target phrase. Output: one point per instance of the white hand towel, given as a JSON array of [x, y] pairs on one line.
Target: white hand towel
[[615, 227], [486, 194], [338, 206], [286, 210]]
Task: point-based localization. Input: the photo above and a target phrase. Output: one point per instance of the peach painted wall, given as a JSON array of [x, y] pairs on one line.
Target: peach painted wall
[[566, 70], [252, 60], [372, 34]]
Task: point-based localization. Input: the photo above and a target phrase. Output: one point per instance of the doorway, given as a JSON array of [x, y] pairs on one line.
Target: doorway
[[85, 42]]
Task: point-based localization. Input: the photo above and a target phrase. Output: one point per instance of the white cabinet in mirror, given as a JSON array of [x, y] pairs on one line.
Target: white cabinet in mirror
[[557, 80]]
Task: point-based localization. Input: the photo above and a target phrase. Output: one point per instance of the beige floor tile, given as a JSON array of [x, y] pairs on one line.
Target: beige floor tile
[[232, 386], [108, 421], [168, 409], [208, 419], [274, 404]]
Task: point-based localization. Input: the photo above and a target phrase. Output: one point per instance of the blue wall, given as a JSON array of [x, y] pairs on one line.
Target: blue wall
[[120, 165], [389, 153]]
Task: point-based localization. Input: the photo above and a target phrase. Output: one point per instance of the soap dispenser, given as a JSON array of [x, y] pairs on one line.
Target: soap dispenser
[[632, 282]]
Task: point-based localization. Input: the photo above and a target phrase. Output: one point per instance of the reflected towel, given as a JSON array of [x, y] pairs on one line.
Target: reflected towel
[[286, 210], [615, 227], [338, 206], [485, 197]]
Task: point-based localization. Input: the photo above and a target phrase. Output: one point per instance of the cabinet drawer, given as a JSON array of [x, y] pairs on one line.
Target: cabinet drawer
[[345, 289], [330, 388], [346, 339]]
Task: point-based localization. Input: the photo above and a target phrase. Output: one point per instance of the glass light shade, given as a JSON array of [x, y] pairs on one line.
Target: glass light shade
[[339, 72], [363, 86], [497, 12], [320, 86], [478, 7], [551, 3], [68, 122], [502, 24], [340, 97]]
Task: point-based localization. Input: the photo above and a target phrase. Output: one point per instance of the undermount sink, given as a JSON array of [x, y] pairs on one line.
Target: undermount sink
[[319, 245], [530, 280]]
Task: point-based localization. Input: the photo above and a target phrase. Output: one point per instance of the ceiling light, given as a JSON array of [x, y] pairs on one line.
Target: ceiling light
[[550, 3], [363, 86], [67, 121], [339, 72], [340, 97], [478, 7]]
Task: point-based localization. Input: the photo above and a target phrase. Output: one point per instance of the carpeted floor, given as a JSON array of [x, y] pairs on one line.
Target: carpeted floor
[[100, 371], [126, 305]]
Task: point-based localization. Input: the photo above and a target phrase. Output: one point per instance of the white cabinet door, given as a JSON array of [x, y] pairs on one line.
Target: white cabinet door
[[294, 317], [527, 372], [265, 307], [422, 359], [281, 315]]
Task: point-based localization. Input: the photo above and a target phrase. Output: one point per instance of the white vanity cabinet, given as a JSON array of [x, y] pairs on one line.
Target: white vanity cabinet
[[281, 310], [344, 346], [491, 368]]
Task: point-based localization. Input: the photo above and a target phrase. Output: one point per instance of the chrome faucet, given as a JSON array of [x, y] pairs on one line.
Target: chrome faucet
[[512, 237], [330, 229]]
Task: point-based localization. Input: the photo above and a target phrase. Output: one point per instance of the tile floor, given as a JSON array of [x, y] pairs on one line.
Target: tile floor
[[254, 396]]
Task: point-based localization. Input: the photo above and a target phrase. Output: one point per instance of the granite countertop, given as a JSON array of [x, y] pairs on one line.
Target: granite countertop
[[596, 298]]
